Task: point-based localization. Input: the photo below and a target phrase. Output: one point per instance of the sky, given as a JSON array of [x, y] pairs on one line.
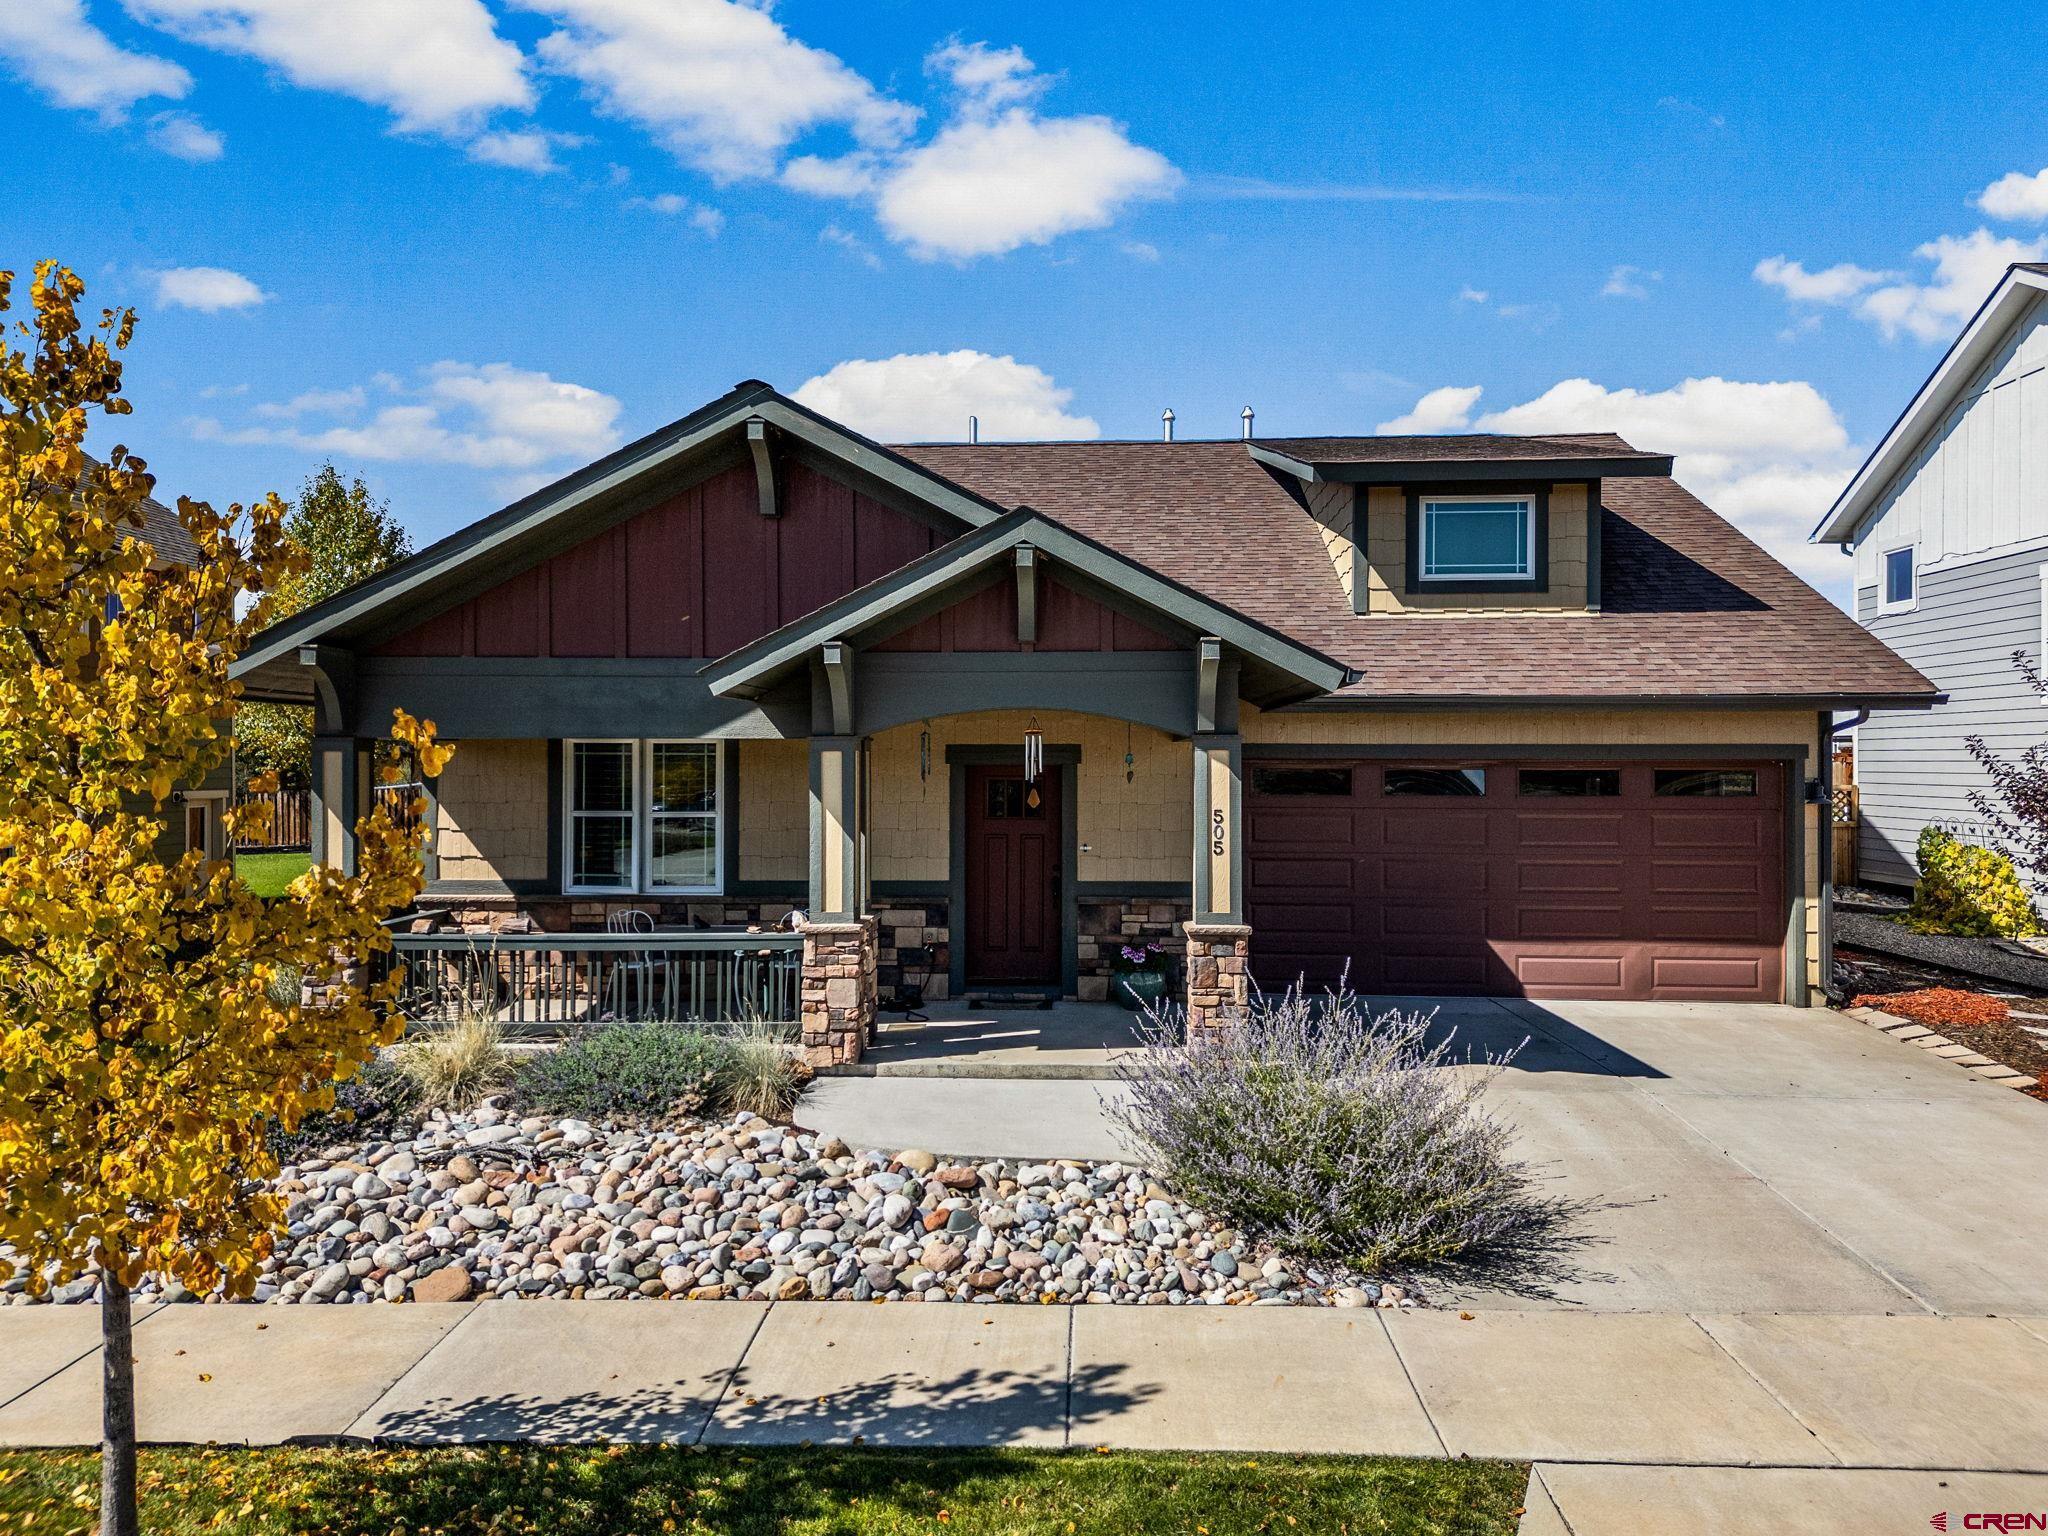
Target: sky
[[461, 247]]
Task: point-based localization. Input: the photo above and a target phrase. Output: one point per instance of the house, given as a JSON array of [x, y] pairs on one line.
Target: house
[[1472, 714], [195, 816], [1948, 522]]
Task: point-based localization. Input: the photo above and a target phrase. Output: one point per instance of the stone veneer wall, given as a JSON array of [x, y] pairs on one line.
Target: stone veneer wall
[[1219, 975], [837, 999], [1109, 922], [905, 924]]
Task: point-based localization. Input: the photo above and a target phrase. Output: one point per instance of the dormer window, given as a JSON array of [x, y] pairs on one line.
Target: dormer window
[[1478, 538]]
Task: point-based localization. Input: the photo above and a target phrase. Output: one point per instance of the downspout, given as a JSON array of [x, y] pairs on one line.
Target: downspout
[[1827, 851]]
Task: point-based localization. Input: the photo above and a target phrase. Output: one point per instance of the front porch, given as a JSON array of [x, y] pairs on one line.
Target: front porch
[[1060, 1040]]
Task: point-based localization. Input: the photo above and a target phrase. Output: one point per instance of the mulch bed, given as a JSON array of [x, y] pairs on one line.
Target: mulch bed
[[1993, 1023]]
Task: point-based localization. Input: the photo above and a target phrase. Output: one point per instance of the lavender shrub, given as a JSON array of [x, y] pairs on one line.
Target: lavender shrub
[[1337, 1135]]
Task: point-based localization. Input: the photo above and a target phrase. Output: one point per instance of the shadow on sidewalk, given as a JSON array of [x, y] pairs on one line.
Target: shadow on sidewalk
[[967, 1408]]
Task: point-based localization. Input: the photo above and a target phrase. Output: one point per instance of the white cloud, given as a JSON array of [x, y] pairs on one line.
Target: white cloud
[[184, 137], [1768, 456], [1836, 285], [722, 85], [1139, 250], [926, 395], [486, 416], [1470, 295], [438, 65], [705, 220], [999, 176], [207, 289], [53, 46], [316, 402], [522, 149], [2017, 196], [1441, 410], [850, 243], [1966, 269], [990, 78], [1627, 282], [844, 176]]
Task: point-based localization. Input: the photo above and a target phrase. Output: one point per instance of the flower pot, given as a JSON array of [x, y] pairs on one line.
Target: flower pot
[[1138, 990]]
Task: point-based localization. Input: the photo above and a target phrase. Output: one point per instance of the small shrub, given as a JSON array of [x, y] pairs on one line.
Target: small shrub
[[1968, 891], [762, 1075], [1336, 1135], [456, 1066], [628, 1071]]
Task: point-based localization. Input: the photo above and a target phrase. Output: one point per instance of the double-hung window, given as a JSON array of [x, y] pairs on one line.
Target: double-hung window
[[1478, 538], [643, 816]]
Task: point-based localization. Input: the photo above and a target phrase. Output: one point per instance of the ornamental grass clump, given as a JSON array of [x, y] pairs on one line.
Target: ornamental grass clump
[[1337, 1135]]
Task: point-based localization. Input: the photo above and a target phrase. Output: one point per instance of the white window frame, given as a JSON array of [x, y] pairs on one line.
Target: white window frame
[[1428, 503], [641, 813], [716, 817], [1884, 561]]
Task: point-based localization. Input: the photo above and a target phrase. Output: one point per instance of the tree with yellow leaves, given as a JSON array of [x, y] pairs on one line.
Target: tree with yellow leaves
[[154, 1026]]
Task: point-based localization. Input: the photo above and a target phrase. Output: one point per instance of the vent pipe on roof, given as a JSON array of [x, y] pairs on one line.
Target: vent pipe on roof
[[1247, 414], [1166, 425], [974, 429]]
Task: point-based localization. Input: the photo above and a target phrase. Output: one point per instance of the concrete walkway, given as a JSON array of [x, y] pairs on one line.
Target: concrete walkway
[[1878, 1393]]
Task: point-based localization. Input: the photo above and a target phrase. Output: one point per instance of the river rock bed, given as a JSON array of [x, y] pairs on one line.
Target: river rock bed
[[494, 1204]]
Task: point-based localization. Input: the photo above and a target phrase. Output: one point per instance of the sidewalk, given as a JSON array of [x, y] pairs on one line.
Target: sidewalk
[[1614, 1388]]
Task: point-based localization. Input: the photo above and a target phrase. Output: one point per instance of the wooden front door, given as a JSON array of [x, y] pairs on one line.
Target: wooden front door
[[1013, 877]]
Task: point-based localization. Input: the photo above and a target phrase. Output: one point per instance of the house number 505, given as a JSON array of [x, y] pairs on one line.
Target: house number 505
[[1216, 833]]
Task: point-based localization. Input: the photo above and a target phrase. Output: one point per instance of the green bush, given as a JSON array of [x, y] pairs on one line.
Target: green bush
[[1968, 890], [638, 1070]]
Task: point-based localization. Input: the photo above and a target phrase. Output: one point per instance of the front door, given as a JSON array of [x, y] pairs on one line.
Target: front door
[[199, 827], [1013, 877]]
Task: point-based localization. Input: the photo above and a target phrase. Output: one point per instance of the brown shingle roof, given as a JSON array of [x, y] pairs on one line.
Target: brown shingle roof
[[1465, 447], [1691, 607]]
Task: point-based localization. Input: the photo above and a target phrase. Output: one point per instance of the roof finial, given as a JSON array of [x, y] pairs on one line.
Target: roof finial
[[1246, 413], [1166, 425]]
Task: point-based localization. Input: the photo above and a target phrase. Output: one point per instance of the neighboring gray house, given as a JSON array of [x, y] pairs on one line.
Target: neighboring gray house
[[1948, 521]]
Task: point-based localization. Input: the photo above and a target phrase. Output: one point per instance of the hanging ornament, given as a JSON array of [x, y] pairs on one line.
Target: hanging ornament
[[924, 754], [1130, 762], [1034, 760]]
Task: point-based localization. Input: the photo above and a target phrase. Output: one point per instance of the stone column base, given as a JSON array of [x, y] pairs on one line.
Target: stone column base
[[837, 991], [1219, 975]]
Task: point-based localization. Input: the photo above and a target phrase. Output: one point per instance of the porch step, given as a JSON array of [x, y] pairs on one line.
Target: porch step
[[1005, 1001], [987, 1071]]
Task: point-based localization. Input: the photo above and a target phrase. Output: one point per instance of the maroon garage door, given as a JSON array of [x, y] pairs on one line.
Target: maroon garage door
[[1615, 880]]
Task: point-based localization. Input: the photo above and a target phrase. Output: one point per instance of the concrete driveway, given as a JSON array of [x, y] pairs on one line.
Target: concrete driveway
[[1745, 1158], [1766, 1159]]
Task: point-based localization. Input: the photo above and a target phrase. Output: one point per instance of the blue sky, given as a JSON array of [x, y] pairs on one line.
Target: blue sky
[[461, 246]]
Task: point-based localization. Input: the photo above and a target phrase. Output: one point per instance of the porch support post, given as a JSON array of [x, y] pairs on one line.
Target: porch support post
[[1219, 942], [837, 1006], [340, 798]]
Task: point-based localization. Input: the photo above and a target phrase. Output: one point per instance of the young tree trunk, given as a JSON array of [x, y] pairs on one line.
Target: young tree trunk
[[118, 1515]]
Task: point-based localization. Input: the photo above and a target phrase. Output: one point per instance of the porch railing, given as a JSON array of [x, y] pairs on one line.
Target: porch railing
[[544, 983]]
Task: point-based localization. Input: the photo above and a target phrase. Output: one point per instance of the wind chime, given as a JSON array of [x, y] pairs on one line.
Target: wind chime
[[924, 756], [1034, 761]]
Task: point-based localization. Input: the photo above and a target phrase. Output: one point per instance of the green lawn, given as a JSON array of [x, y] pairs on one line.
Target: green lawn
[[269, 873], [797, 1492]]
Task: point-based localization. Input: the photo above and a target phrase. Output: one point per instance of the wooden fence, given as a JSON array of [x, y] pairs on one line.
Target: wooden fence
[[1844, 819], [291, 816], [291, 822]]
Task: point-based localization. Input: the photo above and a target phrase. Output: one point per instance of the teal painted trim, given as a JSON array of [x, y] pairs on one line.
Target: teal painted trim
[[1431, 471], [729, 816], [1134, 890], [482, 696], [558, 856]]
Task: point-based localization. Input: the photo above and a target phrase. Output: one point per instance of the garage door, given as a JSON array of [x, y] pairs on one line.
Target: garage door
[[1535, 879]]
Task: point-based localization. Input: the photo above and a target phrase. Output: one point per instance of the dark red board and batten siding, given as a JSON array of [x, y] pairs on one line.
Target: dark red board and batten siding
[[699, 575]]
